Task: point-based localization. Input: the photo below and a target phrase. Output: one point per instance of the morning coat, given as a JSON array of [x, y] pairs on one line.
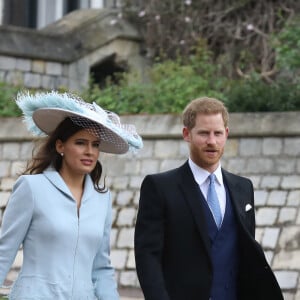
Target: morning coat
[[172, 246]]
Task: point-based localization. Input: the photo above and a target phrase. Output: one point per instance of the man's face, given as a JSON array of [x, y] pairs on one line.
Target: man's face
[[207, 140]]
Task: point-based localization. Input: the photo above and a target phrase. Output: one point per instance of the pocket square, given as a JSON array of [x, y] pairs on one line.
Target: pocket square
[[248, 207]]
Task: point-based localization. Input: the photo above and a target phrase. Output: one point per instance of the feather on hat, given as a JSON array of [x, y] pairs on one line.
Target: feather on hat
[[43, 112]]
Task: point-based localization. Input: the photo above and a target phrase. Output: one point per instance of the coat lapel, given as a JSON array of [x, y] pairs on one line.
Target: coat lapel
[[240, 200], [192, 195], [54, 177]]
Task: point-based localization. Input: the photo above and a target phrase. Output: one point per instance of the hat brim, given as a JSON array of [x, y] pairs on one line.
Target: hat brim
[[47, 120]]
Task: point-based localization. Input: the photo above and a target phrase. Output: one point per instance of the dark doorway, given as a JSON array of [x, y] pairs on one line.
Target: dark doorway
[[107, 69]]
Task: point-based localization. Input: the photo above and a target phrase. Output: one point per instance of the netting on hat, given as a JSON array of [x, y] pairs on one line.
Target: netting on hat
[[105, 135]]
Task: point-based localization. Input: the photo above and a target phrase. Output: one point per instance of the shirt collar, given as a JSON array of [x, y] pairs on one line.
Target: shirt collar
[[201, 174]]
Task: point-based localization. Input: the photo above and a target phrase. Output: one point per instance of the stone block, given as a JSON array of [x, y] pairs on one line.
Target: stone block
[[259, 166], [128, 278], [120, 182], [6, 183], [136, 198], [166, 149], [147, 151], [135, 182], [23, 64], [32, 80], [270, 237], [17, 167], [126, 238], [7, 62], [287, 279], [131, 260], [38, 66], [26, 150], [272, 146], [48, 82], [132, 167], [118, 258], [266, 216], [124, 198], [15, 77], [236, 165], [149, 166], [113, 237], [290, 238], [292, 146], [54, 68], [5, 169], [4, 196], [231, 148], [126, 217], [250, 147], [11, 151], [287, 260], [294, 198], [285, 165], [277, 198], [168, 164], [287, 215], [260, 197], [270, 182], [291, 182]]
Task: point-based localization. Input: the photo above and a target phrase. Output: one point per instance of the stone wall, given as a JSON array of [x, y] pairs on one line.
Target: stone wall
[[61, 55], [263, 146]]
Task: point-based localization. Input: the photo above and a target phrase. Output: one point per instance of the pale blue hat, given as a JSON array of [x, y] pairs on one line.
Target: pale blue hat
[[43, 112]]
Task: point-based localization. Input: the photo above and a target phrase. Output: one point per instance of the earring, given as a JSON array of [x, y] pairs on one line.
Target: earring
[[62, 154]]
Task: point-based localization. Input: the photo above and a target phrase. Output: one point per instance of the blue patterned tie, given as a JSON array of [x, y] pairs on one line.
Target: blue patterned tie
[[212, 200]]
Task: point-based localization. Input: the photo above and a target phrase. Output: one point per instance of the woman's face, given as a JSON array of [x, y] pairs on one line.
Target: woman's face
[[80, 153]]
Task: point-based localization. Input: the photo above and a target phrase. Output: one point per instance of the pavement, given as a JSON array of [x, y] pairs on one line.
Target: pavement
[[125, 293], [130, 294]]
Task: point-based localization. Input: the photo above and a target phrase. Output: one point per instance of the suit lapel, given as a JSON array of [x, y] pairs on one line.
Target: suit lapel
[[238, 197], [192, 195]]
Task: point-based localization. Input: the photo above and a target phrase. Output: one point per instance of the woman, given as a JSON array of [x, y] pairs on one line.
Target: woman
[[58, 211]]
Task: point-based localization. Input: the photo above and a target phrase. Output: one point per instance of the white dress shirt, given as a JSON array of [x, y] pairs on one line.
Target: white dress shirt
[[201, 177]]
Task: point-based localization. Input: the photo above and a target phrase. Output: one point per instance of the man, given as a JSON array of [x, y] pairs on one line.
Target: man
[[186, 249]]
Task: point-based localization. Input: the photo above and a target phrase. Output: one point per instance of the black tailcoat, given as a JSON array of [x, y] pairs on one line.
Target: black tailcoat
[[172, 247]]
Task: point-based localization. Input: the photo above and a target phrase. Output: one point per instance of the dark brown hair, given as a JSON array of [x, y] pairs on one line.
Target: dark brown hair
[[45, 154]]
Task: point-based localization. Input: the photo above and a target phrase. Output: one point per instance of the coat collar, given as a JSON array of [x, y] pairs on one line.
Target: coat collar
[[54, 177]]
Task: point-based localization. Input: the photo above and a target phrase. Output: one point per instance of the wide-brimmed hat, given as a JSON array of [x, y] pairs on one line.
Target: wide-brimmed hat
[[43, 112]]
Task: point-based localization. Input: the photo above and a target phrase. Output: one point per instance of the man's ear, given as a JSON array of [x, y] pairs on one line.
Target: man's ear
[[186, 134]]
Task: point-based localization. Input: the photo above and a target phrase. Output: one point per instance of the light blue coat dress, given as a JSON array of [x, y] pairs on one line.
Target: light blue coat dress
[[65, 256]]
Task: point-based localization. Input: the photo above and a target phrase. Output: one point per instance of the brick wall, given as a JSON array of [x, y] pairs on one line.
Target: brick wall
[[263, 147]]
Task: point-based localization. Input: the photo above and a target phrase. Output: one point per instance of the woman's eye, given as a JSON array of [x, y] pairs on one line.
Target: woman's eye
[[96, 145]]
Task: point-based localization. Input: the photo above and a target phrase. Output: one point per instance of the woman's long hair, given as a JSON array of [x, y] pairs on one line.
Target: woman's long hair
[[45, 154]]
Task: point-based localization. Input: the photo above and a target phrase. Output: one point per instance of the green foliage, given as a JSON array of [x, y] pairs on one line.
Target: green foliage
[[8, 107], [287, 44], [171, 84], [253, 95]]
